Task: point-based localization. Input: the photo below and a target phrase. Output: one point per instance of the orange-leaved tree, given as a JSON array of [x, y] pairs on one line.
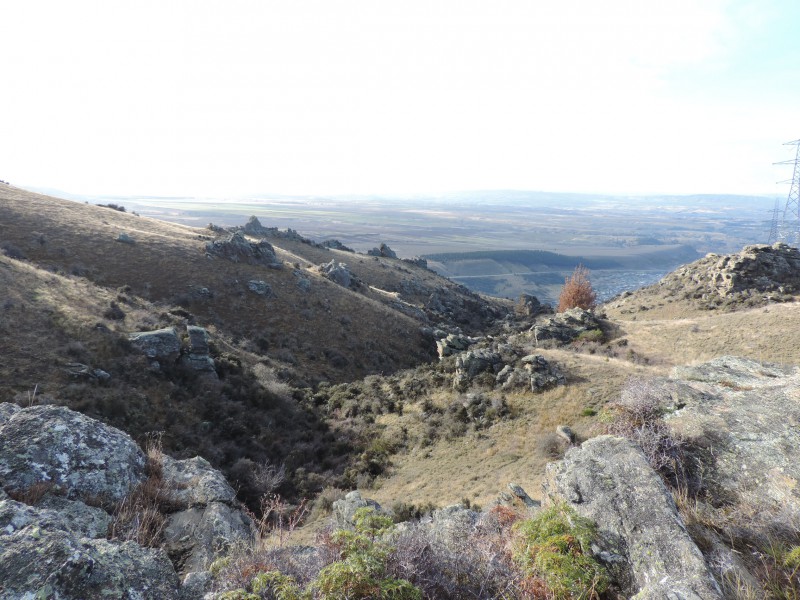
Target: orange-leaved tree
[[577, 291]]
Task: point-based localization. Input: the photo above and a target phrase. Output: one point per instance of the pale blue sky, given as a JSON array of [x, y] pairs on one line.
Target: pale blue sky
[[223, 98]]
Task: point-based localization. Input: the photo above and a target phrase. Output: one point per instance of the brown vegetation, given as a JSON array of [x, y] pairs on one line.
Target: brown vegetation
[[577, 291]]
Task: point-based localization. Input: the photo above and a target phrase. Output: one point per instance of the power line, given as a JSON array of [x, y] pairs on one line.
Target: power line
[[788, 228]]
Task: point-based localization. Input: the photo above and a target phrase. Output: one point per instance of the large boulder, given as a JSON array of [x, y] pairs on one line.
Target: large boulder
[[740, 418], [197, 357], [211, 519], [564, 327], [345, 509], [383, 251], [38, 562], [339, 273], [642, 539], [161, 344], [79, 456]]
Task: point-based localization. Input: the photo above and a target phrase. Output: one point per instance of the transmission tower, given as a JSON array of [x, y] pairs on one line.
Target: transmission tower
[[789, 227], [773, 229]]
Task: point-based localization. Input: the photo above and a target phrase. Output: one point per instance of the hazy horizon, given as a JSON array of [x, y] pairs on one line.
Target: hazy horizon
[[207, 99]]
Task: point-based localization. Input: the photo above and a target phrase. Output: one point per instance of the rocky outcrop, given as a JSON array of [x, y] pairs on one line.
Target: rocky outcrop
[[38, 561], [452, 343], [197, 354], [417, 261], [260, 287], [740, 418], [564, 327], [339, 273], [642, 539], [161, 345], [236, 248], [759, 268], [345, 509], [529, 306], [56, 548], [383, 251], [472, 363], [82, 458], [336, 245]]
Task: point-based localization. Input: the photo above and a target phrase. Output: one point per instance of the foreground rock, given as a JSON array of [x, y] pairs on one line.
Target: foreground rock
[[642, 538], [78, 456], [59, 461]]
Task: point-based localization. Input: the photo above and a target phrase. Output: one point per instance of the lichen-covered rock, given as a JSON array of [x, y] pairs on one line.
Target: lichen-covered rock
[[452, 343], [529, 306], [160, 344], [53, 514], [36, 562], [542, 374], [642, 539], [472, 363], [194, 538], [452, 525], [80, 456], [345, 509], [566, 326], [746, 413], [194, 482], [7, 410]]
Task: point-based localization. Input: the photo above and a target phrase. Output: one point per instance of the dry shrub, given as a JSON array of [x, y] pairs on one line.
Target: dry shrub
[[550, 445], [141, 516], [638, 416], [577, 291]]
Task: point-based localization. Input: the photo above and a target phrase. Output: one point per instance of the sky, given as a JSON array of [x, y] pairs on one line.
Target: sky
[[219, 99]]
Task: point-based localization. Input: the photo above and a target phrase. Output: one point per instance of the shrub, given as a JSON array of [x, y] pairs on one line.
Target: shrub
[[554, 546], [577, 291]]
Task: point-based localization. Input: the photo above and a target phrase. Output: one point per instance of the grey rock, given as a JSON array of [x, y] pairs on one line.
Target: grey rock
[[54, 514], [7, 410], [345, 509], [642, 539], [195, 537], [519, 492], [566, 433], [262, 288], [336, 245], [529, 306], [196, 585], [40, 563], [80, 456], [417, 261], [197, 356], [384, 251], [452, 343], [748, 412], [162, 344], [452, 525], [565, 327], [339, 273], [542, 374], [125, 238], [472, 363], [194, 482], [236, 248]]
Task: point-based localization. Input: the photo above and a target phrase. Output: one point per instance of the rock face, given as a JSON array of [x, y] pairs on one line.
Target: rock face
[[260, 287], [57, 547], [566, 326], [642, 538], [451, 344], [749, 413], [336, 245], [80, 456], [236, 248]]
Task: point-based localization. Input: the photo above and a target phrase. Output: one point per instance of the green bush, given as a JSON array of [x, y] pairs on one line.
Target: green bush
[[554, 546]]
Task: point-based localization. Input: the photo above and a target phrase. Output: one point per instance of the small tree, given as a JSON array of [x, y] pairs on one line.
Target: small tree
[[577, 291]]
